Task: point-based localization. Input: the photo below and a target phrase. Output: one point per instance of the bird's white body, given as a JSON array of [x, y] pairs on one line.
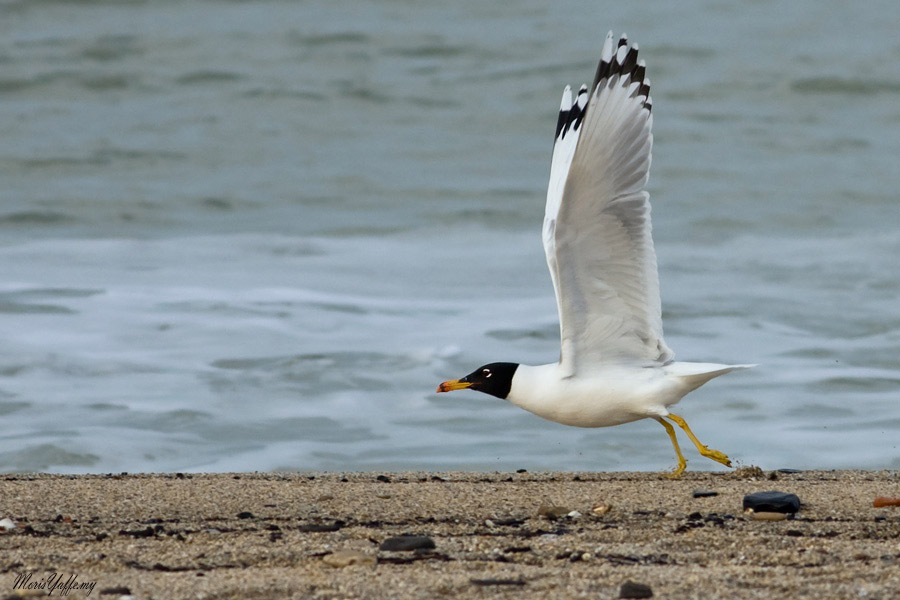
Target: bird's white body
[[610, 395]]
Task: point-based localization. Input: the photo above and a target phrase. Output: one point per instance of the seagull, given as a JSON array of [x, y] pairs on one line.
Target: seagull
[[614, 366]]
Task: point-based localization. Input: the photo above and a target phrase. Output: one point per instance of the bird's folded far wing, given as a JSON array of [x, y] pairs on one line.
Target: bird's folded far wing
[[596, 231]]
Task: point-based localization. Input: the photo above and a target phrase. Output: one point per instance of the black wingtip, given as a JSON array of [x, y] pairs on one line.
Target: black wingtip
[[639, 72], [561, 122], [627, 68], [602, 72], [630, 62], [570, 118]]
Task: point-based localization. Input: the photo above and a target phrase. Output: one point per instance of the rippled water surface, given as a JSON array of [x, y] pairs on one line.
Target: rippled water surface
[[255, 235]]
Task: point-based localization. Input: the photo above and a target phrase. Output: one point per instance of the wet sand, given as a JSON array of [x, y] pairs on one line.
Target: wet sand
[[292, 535]]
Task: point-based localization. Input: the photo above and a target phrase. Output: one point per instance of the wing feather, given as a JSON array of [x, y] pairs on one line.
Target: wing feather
[[597, 230]]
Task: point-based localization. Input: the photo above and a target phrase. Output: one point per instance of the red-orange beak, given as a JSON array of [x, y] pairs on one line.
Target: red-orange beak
[[455, 384]]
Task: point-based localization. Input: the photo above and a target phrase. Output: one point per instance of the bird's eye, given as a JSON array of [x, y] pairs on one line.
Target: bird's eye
[[487, 372]]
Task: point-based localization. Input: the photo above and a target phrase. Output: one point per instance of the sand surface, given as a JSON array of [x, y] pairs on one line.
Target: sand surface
[[291, 535]]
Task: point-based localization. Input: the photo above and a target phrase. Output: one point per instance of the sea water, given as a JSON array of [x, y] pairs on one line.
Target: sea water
[[256, 235]]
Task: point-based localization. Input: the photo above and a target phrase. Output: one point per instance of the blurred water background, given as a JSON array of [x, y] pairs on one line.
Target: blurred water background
[[255, 235]]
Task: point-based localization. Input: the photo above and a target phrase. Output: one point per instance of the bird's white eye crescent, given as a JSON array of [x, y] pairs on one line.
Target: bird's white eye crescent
[[487, 372]]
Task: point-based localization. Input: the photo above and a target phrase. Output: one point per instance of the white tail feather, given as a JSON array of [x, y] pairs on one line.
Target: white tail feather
[[696, 374]]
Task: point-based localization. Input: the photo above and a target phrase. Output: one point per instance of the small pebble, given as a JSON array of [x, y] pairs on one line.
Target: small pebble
[[765, 515], [496, 581], [790, 471], [552, 513], [704, 493], [407, 543], [245, 515], [777, 502], [7, 524], [512, 522], [345, 558], [601, 509], [120, 590], [879, 502], [321, 527], [631, 589], [574, 515]]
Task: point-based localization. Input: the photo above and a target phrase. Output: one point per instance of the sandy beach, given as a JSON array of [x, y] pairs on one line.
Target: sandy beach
[[481, 535]]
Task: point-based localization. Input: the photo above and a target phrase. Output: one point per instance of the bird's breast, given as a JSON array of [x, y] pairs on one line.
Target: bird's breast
[[609, 397]]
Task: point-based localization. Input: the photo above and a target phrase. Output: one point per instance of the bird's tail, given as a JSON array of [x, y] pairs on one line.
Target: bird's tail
[[693, 375]]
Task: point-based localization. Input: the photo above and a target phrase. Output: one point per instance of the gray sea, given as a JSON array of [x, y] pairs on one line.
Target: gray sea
[[255, 235]]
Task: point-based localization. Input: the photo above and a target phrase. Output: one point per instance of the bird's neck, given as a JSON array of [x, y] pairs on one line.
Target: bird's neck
[[532, 386]]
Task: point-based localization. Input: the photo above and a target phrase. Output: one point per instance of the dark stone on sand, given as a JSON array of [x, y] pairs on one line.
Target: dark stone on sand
[[320, 527], [521, 470], [383, 479], [407, 543], [508, 522], [704, 493], [420, 555], [493, 581], [773, 501], [245, 515], [139, 533], [119, 590], [552, 513], [631, 589], [715, 519], [790, 471]]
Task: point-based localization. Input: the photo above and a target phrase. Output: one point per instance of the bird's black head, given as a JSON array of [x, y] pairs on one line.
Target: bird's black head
[[494, 379]]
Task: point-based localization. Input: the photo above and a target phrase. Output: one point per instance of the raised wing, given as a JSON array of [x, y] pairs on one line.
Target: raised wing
[[597, 222]]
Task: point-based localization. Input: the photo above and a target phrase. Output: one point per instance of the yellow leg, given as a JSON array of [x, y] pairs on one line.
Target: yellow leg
[[682, 464], [713, 454]]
